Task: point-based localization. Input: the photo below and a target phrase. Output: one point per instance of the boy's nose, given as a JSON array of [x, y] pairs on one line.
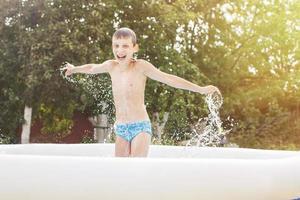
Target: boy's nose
[[120, 52]]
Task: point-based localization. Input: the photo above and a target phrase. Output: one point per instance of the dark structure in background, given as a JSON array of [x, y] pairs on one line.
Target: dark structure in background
[[82, 131]]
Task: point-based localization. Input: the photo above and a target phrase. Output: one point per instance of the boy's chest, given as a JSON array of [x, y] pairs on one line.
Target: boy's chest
[[127, 80]]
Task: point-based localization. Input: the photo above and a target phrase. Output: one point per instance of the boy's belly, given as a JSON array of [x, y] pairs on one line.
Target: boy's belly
[[131, 113]]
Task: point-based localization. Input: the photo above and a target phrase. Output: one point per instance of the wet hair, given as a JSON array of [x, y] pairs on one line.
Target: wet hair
[[125, 33]]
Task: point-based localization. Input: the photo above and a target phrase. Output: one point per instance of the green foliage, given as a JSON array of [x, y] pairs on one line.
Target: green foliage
[[249, 49], [57, 121], [88, 139], [5, 139]]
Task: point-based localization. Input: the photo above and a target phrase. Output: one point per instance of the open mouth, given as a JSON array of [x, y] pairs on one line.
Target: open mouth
[[121, 57]]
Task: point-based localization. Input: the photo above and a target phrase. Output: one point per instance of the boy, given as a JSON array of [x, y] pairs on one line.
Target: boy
[[128, 76]]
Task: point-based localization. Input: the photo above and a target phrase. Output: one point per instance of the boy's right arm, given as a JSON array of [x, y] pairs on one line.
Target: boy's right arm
[[88, 68], [175, 81]]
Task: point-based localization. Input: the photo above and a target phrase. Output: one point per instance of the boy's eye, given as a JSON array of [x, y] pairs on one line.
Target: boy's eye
[[125, 46]]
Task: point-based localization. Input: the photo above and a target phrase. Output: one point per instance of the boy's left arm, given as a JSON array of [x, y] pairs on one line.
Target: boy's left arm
[[175, 81]]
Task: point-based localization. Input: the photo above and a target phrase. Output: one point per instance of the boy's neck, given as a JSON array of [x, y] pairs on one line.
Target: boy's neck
[[125, 65]]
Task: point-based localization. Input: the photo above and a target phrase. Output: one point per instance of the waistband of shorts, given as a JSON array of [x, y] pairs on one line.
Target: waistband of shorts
[[132, 123]]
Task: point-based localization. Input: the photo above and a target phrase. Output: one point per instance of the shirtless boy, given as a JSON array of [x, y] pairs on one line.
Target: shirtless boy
[[128, 76]]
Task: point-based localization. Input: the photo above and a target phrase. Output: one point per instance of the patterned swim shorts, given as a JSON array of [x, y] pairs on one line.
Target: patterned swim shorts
[[128, 131]]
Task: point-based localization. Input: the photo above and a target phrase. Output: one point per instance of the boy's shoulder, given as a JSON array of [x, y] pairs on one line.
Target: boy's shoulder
[[143, 63], [110, 62]]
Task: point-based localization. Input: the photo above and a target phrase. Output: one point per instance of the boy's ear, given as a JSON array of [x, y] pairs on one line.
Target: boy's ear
[[136, 48]]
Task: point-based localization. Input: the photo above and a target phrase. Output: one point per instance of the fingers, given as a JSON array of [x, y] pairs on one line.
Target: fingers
[[66, 66], [213, 90], [69, 65], [218, 91], [66, 63]]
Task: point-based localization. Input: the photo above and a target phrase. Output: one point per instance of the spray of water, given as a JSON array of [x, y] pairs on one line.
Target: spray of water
[[94, 86], [99, 88], [209, 131]]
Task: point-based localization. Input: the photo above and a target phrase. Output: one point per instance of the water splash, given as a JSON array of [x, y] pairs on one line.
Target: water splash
[[96, 95], [97, 86], [208, 131]]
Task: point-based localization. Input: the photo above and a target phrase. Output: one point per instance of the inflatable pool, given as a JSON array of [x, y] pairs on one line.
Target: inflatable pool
[[89, 171]]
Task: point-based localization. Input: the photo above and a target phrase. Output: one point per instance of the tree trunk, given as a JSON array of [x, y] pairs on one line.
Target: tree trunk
[[25, 135], [159, 125], [101, 127]]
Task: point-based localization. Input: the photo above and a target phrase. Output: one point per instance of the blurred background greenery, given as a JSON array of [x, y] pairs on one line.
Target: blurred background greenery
[[249, 49]]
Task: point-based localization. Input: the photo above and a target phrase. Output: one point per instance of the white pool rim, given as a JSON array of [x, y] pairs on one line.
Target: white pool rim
[[89, 171]]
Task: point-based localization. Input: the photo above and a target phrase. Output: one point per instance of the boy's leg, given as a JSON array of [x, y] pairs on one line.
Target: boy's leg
[[122, 147], [140, 145]]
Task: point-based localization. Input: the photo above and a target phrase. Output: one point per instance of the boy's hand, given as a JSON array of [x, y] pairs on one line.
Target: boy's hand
[[69, 69], [211, 89]]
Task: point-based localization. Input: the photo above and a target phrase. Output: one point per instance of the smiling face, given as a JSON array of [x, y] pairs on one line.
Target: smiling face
[[123, 49]]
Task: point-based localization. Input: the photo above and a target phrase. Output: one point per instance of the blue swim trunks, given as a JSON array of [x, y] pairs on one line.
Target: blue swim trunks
[[129, 130]]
